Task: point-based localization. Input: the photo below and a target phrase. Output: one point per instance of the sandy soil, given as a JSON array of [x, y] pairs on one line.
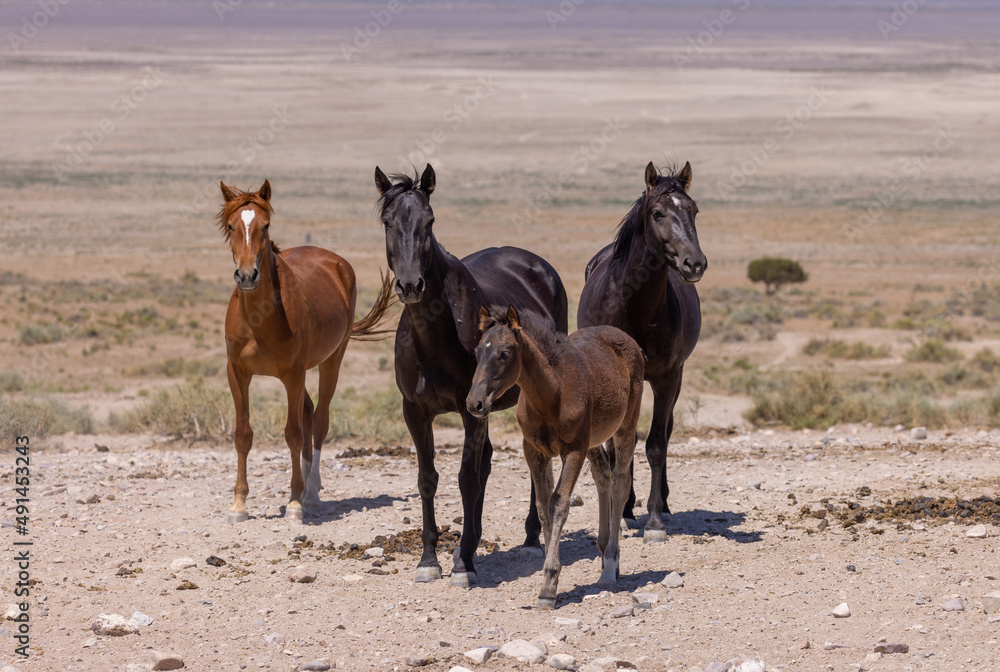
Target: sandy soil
[[760, 578]]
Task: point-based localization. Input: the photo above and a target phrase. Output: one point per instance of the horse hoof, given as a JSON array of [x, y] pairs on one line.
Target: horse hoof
[[235, 517], [427, 574], [546, 603], [462, 579], [654, 536], [608, 578], [294, 513], [530, 552]]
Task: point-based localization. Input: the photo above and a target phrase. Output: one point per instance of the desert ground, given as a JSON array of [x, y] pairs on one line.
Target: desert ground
[[858, 139]]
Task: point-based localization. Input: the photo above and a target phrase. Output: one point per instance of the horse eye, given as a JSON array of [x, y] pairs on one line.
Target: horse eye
[[229, 226], [385, 223], [430, 224], [505, 354], [657, 214], [267, 226]]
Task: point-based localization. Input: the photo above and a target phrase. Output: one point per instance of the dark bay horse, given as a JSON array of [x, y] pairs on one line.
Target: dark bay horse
[[643, 283], [291, 310], [435, 342], [576, 393]]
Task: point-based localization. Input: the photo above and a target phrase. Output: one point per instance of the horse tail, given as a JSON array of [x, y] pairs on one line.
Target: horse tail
[[367, 328]]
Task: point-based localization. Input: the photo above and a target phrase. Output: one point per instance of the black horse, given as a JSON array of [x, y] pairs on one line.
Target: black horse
[[643, 284], [435, 343]]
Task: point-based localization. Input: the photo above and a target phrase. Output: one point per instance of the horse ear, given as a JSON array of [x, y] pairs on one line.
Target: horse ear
[[513, 319], [685, 176], [381, 181], [265, 191], [227, 193], [651, 176], [484, 318], [428, 180]]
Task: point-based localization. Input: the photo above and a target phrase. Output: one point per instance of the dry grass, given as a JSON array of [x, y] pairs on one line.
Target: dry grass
[[41, 417]]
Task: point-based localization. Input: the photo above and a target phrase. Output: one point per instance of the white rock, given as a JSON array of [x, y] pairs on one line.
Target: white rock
[[275, 639], [561, 661], [747, 665], [991, 602], [977, 532], [673, 580], [646, 599], [842, 610], [918, 433], [11, 613], [521, 650], [90, 642], [140, 618], [374, 552], [572, 623], [182, 563], [113, 625], [459, 668], [482, 654], [954, 605]]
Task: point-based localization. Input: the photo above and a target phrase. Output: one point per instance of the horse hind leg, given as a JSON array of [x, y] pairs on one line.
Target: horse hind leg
[[620, 478], [600, 469], [329, 373]]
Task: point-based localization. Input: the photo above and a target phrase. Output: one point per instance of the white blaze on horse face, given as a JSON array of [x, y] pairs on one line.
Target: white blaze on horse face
[[675, 199], [247, 216]]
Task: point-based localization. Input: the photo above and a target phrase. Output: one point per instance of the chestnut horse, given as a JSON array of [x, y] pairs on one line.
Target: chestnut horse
[[437, 333], [291, 310], [643, 283], [576, 393]]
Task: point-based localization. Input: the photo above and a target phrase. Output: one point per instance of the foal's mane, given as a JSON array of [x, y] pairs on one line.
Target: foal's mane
[[242, 199], [400, 185], [539, 327], [634, 222]]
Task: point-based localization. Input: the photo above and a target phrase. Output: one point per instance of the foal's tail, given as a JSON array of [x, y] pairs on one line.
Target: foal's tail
[[367, 328]]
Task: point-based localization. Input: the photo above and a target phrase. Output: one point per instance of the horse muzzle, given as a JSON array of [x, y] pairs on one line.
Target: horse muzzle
[[247, 282], [410, 292], [479, 408]]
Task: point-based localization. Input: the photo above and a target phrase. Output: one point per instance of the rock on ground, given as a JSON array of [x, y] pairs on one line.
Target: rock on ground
[[889, 647], [561, 661], [841, 610], [977, 532], [991, 602], [165, 661], [954, 605], [113, 625], [301, 574], [482, 654], [673, 580], [315, 666], [522, 650], [182, 563]]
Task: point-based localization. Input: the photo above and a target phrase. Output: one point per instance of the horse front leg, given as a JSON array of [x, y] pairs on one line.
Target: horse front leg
[[239, 385], [558, 512], [472, 485], [420, 424], [624, 449], [656, 453], [295, 389]]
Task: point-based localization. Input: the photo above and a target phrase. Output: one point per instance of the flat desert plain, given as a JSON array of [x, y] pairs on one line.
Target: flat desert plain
[[859, 139]]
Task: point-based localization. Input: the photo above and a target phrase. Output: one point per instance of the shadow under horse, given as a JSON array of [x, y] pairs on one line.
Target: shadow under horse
[[643, 283], [435, 342]]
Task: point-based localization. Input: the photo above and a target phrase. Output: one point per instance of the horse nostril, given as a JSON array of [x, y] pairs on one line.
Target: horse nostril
[[399, 287], [254, 274], [479, 406], [420, 284], [236, 275]]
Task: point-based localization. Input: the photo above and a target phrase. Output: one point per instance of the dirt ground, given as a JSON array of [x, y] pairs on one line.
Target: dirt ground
[[869, 156]]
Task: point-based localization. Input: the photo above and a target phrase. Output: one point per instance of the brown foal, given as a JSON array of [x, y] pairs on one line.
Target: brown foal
[[292, 310], [576, 393]]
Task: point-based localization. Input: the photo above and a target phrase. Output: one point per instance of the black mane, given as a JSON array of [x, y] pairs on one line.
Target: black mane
[[400, 185], [634, 221]]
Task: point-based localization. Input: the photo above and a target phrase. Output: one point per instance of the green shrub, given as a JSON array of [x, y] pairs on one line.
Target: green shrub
[[933, 350], [40, 418], [775, 273], [841, 350], [34, 334]]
